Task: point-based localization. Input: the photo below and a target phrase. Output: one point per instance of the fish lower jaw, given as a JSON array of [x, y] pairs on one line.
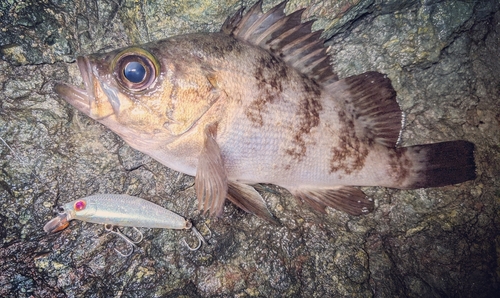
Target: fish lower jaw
[[75, 96]]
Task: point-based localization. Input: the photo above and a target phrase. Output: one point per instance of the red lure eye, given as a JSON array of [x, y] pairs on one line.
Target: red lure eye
[[80, 205]]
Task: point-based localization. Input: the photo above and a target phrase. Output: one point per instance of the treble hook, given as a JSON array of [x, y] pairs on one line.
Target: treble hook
[[200, 237], [130, 242]]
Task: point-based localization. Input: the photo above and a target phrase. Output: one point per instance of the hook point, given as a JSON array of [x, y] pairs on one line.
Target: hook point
[[130, 242], [200, 237]]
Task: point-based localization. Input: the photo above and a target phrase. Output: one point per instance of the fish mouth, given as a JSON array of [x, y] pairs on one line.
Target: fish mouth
[[57, 224], [77, 97]]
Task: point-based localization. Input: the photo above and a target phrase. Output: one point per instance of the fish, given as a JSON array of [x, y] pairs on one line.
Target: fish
[[259, 103]]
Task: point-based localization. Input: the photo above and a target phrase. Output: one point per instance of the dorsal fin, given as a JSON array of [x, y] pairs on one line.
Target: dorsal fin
[[284, 36], [370, 104]]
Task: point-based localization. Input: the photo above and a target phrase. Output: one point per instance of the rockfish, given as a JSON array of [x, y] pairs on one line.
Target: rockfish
[[258, 102]]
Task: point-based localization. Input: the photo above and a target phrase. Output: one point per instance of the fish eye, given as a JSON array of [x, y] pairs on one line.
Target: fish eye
[[135, 69], [135, 72]]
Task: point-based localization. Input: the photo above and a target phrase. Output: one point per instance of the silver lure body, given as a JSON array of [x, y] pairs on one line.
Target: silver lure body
[[123, 210]]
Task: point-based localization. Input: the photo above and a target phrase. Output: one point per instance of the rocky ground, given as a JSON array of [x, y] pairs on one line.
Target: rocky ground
[[444, 62]]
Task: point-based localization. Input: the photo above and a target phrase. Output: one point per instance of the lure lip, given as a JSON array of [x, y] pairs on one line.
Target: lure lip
[[57, 224]]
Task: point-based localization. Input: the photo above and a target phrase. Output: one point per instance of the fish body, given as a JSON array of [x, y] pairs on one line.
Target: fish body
[[259, 103]]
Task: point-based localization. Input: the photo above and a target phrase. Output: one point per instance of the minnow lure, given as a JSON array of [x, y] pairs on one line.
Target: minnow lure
[[120, 210]]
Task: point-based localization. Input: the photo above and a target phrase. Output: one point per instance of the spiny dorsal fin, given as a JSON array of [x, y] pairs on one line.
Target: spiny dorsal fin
[[286, 37]]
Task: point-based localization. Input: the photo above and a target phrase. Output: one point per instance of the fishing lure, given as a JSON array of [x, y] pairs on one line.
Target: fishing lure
[[114, 210]]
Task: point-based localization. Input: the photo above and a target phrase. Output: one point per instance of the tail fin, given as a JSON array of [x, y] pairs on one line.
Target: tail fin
[[440, 164]]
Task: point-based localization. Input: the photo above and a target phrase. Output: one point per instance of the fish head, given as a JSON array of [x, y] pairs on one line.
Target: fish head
[[146, 94]]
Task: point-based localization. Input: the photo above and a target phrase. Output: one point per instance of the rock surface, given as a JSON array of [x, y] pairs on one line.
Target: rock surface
[[444, 62]]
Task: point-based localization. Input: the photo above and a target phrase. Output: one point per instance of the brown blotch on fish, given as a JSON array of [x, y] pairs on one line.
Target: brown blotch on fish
[[270, 75], [308, 118], [223, 49], [348, 156], [400, 166]]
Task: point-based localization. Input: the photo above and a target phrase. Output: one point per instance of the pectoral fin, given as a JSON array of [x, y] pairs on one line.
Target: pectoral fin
[[248, 199], [344, 198], [211, 179]]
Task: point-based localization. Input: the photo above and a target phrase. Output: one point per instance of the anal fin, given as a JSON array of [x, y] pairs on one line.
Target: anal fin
[[344, 198], [211, 179], [248, 199]]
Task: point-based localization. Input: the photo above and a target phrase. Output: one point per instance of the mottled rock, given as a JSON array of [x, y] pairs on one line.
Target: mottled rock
[[443, 59]]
